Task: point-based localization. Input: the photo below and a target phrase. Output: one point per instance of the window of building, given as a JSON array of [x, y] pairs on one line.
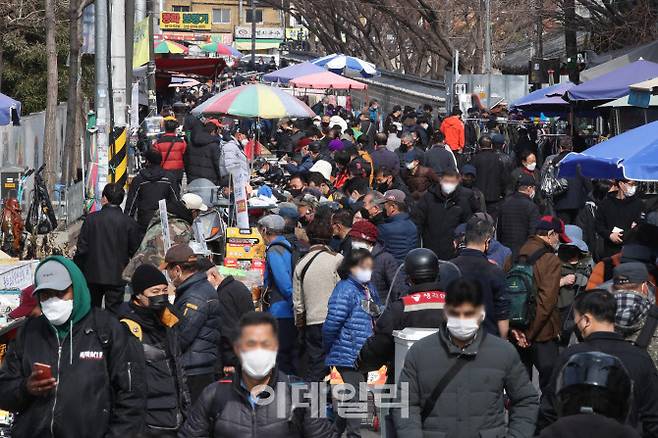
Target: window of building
[[221, 16], [180, 8], [259, 15]]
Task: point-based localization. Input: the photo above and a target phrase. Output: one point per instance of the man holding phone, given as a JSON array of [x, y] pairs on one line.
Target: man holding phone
[[74, 372]]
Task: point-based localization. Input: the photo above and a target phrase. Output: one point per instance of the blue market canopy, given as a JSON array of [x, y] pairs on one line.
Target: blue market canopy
[[614, 84], [632, 155], [546, 96], [7, 105], [285, 74]]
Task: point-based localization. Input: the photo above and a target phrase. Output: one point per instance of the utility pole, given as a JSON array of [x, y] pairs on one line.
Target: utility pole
[[118, 59], [487, 48], [253, 34], [102, 98], [539, 28], [153, 104]]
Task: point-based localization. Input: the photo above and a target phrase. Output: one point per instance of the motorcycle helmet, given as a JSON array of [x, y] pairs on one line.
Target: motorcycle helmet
[[421, 266], [595, 383]]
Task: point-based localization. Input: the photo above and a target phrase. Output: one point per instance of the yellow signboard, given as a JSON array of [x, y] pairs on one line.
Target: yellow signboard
[[141, 43], [244, 245], [185, 21]]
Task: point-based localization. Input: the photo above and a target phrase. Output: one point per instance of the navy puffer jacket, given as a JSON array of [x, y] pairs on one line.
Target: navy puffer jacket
[[197, 304], [347, 326], [398, 235]]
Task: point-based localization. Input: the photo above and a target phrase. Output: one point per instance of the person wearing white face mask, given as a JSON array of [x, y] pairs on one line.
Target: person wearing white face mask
[[439, 211], [456, 378], [527, 166], [258, 399], [417, 177], [353, 307], [80, 350], [617, 214]]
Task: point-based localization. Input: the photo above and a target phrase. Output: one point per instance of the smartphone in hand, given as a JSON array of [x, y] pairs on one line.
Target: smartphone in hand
[[46, 371]]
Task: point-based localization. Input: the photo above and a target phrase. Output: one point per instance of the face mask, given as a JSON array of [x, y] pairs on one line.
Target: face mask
[[467, 182], [158, 302], [630, 191], [424, 125], [382, 186], [317, 123], [463, 329], [57, 310], [262, 171], [411, 165], [531, 167], [363, 275], [244, 142], [361, 245], [258, 363], [532, 195], [448, 188]]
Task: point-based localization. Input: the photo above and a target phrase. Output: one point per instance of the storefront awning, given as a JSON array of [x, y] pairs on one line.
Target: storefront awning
[[207, 67], [261, 44]]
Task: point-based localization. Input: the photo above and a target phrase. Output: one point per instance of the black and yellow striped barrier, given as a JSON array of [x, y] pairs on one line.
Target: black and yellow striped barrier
[[118, 157]]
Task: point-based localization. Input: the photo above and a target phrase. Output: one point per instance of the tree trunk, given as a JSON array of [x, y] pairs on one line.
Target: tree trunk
[[50, 134], [73, 103], [2, 51]]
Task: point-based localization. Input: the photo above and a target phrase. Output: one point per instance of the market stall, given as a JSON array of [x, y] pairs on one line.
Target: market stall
[[631, 155], [328, 81], [284, 75]]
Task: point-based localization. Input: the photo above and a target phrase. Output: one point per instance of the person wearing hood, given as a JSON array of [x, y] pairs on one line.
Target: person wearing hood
[[149, 318], [107, 240], [456, 378], [630, 287], [197, 306], [90, 381], [259, 400], [202, 158], [147, 188]]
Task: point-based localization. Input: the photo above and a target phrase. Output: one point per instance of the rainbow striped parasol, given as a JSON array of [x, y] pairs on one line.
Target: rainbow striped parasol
[[166, 46], [255, 100], [220, 49]]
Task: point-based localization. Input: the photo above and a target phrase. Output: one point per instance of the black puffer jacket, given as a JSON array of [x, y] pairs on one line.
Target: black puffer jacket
[[517, 219], [100, 391], [167, 396], [234, 301], [437, 215], [199, 329], [224, 410], [147, 188], [202, 158]]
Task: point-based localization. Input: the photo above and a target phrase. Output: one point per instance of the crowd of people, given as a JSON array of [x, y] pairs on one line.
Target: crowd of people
[[383, 222]]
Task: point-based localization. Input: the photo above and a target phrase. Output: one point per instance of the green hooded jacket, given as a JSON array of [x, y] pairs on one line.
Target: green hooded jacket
[[81, 295]]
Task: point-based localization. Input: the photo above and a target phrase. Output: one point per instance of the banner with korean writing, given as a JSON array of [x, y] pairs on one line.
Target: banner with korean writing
[[141, 43], [185, 20]]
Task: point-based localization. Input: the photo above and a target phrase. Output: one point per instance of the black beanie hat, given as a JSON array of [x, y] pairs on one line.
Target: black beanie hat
[[146, 276]]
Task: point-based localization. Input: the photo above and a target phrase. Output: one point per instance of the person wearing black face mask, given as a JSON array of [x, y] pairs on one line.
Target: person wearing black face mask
[[149, 319]]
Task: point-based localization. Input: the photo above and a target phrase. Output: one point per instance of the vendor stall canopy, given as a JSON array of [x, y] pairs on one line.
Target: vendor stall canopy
[[10, 110], [614, 84], [546, 96], [327, 80], [255, 101], [284, 75], [632, 155], [339, 63]]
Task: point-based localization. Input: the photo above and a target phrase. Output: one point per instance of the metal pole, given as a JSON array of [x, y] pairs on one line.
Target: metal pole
[[153, 104], [102, 98], [118, 57], [253, 33], [140, 10], [487, 48]]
